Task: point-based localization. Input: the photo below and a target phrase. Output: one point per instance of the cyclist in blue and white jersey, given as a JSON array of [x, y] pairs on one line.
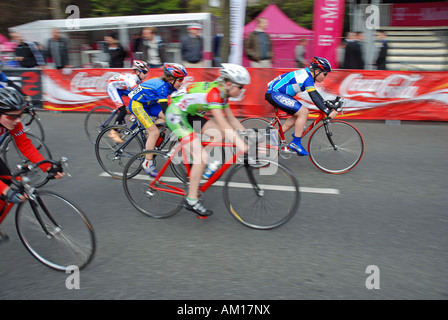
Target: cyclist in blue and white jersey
[[281, 92]]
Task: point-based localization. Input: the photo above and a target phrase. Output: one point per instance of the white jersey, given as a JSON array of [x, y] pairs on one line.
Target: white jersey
[[121, 84], [124, 81]]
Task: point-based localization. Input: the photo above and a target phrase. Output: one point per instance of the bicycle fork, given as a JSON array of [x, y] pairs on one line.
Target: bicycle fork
[[329, 134], [36, 202], [249, 170]]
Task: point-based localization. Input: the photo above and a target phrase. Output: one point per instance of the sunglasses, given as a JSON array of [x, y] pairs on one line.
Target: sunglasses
[[12, 117], [239, 86], [180, 80]]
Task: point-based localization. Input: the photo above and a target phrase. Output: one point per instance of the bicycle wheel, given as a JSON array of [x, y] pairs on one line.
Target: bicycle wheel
[[266, 133], [341, 157], [146, 199], [71, 239], [33, 125], [96, 120], [113, 156], [13, 157], [261, 197]]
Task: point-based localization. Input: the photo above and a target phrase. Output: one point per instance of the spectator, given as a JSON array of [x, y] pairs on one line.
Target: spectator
[[116, 51], [57, 49], [382, 50], [353, 57], [192, 47], [300, 51], [27, 53], [258, 46], [152, 47]]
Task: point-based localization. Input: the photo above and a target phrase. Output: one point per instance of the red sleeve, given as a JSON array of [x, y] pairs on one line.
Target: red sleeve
[[26, 147]]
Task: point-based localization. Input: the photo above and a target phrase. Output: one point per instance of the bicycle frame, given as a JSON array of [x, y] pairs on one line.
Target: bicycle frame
[[204, 187], [279, 116]]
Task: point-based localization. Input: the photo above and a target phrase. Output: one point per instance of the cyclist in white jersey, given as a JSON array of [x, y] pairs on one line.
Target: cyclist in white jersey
[[281, 92], [122, 84]]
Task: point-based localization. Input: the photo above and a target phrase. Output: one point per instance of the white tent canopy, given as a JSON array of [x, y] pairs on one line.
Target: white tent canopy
[[40, 30]]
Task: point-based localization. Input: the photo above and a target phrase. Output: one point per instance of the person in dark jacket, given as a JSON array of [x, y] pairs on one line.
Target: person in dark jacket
[[152, 48], [115, 50], [192, 47], [28, 53], [382, 52], [353, 58], [57, 49]]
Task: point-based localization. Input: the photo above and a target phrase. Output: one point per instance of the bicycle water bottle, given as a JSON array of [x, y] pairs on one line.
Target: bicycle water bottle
[[160, 138], [211, 169]]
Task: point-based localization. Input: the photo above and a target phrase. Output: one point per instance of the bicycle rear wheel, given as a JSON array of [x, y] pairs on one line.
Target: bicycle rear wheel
[[13, 157], [113, 156], [33, 125], [266, 133], [262, 197], [341, 157], [96, 120], [149, 200], [71, 240]]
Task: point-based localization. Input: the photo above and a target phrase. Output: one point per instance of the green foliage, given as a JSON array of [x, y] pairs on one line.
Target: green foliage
[[299, 11], [107, 8]]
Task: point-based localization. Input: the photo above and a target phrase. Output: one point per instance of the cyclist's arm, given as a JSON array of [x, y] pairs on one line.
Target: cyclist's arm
[[318, 100], [26, 147], [233, 121]]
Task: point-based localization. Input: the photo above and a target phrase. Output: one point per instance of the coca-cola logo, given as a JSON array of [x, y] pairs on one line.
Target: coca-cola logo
[[82, 82], [396, 86]]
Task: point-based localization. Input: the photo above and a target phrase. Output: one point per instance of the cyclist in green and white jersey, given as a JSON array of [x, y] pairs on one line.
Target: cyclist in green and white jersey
[[185, 108]]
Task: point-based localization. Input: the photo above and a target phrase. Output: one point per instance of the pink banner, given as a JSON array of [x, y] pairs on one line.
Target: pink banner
[[328, 23], [419, 14]]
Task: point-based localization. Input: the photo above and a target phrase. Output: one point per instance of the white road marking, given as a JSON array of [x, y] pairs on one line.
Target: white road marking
[[246, 185]]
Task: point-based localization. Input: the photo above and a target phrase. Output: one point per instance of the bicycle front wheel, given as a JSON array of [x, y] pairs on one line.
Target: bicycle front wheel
[[112, 155], [337, 151], [70, 240], [159, 200], [96, 120], [262, 197]]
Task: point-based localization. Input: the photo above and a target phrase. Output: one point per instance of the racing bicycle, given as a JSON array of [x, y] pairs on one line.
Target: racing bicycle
[[335, 146], [52, 228], [258, 196]]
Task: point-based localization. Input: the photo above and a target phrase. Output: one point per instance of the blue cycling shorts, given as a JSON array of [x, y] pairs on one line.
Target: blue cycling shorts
[[283, 102]]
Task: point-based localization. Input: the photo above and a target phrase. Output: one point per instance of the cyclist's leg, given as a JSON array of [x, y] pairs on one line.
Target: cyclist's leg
[[298, 119], [138, 110], [179, 125], [115, 95], [5, 178]]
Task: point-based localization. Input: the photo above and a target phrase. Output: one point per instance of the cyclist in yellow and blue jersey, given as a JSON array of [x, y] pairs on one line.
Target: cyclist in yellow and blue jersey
[[281, 92], [150, 99]]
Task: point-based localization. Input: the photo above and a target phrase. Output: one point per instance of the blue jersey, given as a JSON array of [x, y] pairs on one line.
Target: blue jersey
[[293, 82], [150, 92]]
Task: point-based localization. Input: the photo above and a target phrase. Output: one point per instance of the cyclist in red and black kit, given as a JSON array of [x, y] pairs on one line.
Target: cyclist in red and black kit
[[12, 104]]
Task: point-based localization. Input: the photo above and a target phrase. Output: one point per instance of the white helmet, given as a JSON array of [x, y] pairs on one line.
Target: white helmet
[[235, 73]]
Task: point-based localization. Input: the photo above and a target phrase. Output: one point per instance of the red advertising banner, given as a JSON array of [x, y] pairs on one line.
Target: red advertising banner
[[327, 26], [422, 14], [376, 95]]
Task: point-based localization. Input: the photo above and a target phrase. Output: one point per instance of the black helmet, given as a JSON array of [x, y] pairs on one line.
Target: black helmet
[[320, 63], [11, 100]]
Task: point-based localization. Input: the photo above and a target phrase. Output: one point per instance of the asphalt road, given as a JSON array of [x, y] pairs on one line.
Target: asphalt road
[[390, 212]]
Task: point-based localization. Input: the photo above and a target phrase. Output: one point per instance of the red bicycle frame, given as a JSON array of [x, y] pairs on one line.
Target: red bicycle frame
[[175, 190]]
